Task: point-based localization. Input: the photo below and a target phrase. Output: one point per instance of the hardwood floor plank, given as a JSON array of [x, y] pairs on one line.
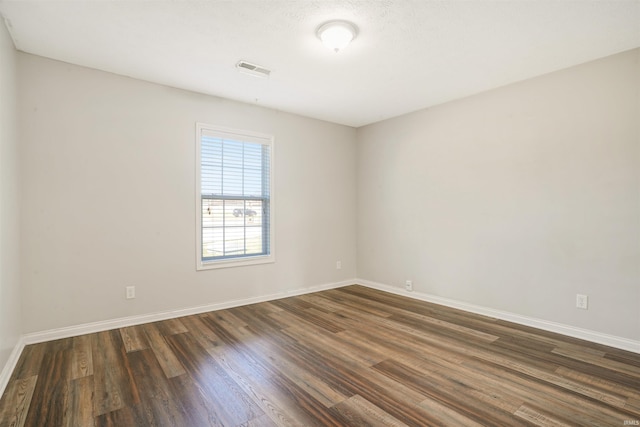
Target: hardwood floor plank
[[203, 334], [541, 394], [263, 421], [445, 416], [622, 356], [225, 319], [476, 384], [80, 411], [157, 400], [171, 327], [538, 418], [395, 398], [320, 302], [232, 405], [51, 394], [260, 319], [308, 315], [170, 364], [29, 362], [440, 326], [633, 406], [273, 393], [317, 414], [274, 402], [278, 362], [131, 415], [264, 307], [357, 411], [16, 400], [598, 360], [81, 357], [114, 387], [598, 383], [372, 296], [134, 338], [488, 352], [422, 320], [392, 397], [199, 410], [347, 303], [450, 393], [508, 391], [283, 351], [328, 343]]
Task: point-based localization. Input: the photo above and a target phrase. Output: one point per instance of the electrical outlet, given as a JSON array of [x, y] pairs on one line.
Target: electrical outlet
[[408, 285], [131, 292], [338, 265], [582, 301]]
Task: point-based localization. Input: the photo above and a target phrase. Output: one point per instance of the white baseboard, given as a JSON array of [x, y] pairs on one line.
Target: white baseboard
[[6, 372], [88, 328], [585, 334]]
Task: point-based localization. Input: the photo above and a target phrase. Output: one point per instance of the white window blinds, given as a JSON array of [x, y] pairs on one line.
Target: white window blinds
[[235, 195]]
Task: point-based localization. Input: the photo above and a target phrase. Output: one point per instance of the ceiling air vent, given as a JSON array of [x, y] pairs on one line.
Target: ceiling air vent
[[252, 69]]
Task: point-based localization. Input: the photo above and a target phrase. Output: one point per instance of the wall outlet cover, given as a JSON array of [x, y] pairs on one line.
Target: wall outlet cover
[[582, 301]]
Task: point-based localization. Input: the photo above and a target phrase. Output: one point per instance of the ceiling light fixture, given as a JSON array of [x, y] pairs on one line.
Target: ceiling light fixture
[[336, 35]]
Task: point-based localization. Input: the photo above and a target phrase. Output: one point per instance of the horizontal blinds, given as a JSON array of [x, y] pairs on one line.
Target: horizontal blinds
[[234, 168], [235, 176]]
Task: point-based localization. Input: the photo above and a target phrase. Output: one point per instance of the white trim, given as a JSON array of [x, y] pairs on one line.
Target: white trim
[[88, 328], [572, 331], [6, 372]]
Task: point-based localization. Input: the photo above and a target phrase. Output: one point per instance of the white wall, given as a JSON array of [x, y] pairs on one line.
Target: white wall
[[109, 198], [10, 328], [515, 199]]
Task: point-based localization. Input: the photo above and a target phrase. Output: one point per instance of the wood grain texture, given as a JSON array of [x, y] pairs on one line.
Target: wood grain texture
[[113, 383], [15, 402], [134, 338], [81, 357], [167, 359], [344, 357]]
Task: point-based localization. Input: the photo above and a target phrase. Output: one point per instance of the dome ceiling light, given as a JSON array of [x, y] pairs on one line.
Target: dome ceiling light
[[336, 35]]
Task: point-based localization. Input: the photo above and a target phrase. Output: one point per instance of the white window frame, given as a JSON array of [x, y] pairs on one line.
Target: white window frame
[[245, 136]]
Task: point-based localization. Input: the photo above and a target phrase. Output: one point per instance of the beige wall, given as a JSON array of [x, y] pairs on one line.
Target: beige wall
[[109, 197], [515, 199], [10, 328]]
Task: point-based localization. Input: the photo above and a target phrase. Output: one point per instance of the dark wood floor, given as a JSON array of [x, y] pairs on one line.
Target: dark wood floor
[[345, 357]]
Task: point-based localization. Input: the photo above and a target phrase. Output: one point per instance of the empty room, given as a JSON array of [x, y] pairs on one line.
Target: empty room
[[319, 213]]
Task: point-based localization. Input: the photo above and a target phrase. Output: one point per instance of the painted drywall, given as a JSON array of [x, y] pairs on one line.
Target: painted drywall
[[516, 199], [108, 181], [10, 327]]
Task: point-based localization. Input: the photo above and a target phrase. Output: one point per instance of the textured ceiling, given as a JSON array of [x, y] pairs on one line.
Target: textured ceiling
[[408, 55]]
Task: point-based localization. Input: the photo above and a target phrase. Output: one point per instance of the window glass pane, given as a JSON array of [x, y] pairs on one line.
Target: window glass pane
[[254, 240], [234, 213], [234, 241], [212, 239], [212, 213], [253, 215]]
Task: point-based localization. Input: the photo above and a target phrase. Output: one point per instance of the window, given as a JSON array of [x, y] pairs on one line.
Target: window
[[234, 203]]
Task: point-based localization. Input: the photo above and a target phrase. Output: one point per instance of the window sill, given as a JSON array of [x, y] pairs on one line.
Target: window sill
[[239, 262]]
